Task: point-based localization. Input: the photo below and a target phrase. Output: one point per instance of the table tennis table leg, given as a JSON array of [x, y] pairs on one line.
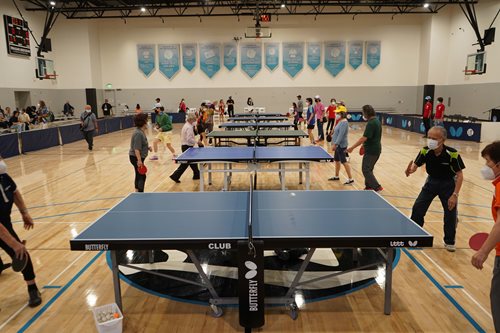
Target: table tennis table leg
[[209, 170], [203, 275], [388, 281], [201, 166], [282, 176], [308, 175], [300, 173], [116, 280]]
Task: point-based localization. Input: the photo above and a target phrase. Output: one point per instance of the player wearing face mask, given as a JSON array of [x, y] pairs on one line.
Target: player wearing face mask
[[444, 168], [331, 116], [9, 241], [491, 172]]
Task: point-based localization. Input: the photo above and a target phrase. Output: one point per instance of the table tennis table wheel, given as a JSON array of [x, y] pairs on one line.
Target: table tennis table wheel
[[294, 311], [216, 311]]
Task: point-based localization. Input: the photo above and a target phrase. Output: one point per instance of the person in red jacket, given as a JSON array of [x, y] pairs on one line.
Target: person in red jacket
[[439, 116], [427, 115]]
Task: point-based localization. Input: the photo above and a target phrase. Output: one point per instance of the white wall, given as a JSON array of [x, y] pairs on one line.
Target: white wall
[[399, 64]]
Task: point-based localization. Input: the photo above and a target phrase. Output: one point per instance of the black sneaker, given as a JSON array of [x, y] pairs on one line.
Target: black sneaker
[[35, 298], [175, 180], [334, 178], [196, 177], [349, 182]]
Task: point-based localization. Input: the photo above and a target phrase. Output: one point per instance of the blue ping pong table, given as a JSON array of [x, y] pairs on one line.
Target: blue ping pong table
[[258, 119], [280, 219], [256, 159]]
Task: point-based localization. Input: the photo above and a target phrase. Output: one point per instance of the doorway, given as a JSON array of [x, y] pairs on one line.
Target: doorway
[[23, 99]]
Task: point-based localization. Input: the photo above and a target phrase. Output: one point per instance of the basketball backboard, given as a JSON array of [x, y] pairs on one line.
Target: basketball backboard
[[45, 69], [476, 63]]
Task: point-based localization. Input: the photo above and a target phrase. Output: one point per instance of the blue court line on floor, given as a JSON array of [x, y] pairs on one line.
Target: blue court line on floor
[[64, 214], [444, 292], [73, 202], [59, 293], [414, 198], [52, 287], [459, 214], [454, 287]]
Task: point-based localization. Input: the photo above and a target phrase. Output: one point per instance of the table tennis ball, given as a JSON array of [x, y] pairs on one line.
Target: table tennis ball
[[292, 194]]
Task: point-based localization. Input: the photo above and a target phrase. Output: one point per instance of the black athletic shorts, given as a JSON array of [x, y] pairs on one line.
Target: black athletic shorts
[[340, 155], [310, 126]]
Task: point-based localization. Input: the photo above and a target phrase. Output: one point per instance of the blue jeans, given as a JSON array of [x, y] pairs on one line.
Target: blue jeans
[[442, 188], [321, 135]]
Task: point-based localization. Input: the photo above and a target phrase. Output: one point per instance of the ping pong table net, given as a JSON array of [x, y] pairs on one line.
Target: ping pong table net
[[251, 247]]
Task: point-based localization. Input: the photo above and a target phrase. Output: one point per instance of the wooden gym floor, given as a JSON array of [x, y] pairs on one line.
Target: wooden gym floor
[[68, 187]]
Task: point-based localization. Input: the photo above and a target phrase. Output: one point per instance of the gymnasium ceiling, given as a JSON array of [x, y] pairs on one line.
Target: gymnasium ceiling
[[96, 9]]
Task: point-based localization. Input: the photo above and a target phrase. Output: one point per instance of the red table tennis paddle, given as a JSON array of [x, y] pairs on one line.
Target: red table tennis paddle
[[362, 150], [142, 169], [477, 240]]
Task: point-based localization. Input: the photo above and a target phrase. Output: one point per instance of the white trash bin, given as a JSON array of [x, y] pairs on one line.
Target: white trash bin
[[114, 325]]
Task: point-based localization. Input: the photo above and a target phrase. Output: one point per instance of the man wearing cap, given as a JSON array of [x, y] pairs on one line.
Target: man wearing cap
[[300, 107], [230, 106], [319, 110], [427, 115], [164, 128]]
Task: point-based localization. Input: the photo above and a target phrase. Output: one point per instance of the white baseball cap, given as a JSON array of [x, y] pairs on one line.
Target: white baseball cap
[[317, 97], [158, 105]]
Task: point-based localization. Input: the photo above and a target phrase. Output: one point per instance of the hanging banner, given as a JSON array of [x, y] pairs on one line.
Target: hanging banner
[[355, 54], [146, 58], [272, 51], [251, 58], [210, 58], [313, 55], [293, 58], [189, 56], [230, 53], [168, 59], [334, 57], [373, 50]]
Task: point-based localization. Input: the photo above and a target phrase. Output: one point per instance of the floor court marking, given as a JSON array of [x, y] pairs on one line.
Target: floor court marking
[[64, 214], [444, 292], [61, 291], [15, 314], [75, 202], [454, 282]]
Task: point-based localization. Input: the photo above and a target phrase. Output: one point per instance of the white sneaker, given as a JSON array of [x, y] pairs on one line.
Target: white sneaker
[[450, 247]]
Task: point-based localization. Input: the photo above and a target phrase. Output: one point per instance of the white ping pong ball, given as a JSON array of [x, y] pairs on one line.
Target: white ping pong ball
[[292, 194]]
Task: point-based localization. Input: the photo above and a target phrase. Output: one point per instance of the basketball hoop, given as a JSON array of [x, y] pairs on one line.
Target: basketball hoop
[[470, 72]]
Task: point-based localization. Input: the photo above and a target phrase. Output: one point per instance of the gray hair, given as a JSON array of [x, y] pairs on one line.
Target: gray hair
[[191, 117], [442, 130]]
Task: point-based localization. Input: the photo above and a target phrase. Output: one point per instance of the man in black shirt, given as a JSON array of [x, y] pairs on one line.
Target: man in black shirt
[[444, 168], [106, 108], [230, 107], [68, 109], [9, 241]]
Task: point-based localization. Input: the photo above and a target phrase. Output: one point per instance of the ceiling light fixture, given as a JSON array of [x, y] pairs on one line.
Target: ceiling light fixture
[[426, 5], [143, 9], [52, 3]]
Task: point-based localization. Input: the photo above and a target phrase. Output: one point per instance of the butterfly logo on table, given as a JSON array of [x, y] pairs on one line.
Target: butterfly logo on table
[[412, 244], [356, 117], [252, 270], [456, 133]]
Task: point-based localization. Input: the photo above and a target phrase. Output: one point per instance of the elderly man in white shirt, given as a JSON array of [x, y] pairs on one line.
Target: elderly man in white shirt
[[187, 141]]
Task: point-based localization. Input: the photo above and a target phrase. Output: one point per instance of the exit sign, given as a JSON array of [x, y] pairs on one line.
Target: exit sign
[[265, 17]]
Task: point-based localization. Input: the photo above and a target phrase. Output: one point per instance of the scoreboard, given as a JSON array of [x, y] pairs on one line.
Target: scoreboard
[[17, 36]]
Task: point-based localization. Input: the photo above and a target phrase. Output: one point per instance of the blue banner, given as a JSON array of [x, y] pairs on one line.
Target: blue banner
[[373, 50], [272, 51], [355, 54], [334, 57], [168, 59], [230, 54], [189, 56], [210, 58], [293, 58], [251, 58], [313, 55], [146, 58]]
